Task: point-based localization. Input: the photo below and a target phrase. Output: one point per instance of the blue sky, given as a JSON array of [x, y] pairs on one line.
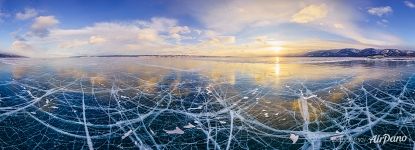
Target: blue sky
[[49, 28]]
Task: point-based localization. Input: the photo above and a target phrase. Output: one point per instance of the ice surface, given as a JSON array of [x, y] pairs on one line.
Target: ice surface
[[172, 103]]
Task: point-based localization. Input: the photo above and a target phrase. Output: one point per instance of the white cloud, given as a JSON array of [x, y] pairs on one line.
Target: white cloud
[[310, 13], [20, 45], [132, 37], [3, 16], [235, 15], [383, 22], [42, 22], [221, 40], [222, 25], [97, 40], [27, 14], [161, 23], [177, 31], [148, 34], [261, 39], [338, 26], [137, 37], [409, 4], [72, 44], [41, 25], [245, 17], [22, 48], [380, 11]]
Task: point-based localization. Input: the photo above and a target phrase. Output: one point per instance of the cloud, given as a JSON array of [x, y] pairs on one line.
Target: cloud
[[233, 16], [380, 11], [244, 17], [338, 26], [97, 40], [23, 48], [42, 22], [161, 23], [27, 14], [383, 22], [237, 27], [130, 37], [310, 13], [409, 4], [150, 35], [3, 16], [221, 40], [177, 31], [20, 45], [41, 25], [72, 44], [135, 37]]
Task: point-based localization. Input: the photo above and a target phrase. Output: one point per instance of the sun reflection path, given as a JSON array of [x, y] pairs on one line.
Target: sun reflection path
[[198, 113]]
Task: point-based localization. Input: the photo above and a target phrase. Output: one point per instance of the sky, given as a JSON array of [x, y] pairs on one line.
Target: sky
[[50, 28]]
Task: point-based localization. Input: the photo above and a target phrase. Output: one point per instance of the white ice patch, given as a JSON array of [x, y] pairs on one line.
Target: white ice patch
[[152, 132], [337, 136], [188, 126], [294, 138], [312, 96], [175, 131], [30, 93], [208, 90], [196, 108], [127, 134]]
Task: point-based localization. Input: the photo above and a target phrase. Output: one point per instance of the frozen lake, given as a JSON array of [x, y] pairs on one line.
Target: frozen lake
[[206, 103]]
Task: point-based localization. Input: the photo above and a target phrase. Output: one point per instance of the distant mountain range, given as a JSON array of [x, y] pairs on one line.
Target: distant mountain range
[[3, 55], [351, 52]]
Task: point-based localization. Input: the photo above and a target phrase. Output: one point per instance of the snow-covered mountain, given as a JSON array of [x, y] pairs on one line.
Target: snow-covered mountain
[[351, 52]]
